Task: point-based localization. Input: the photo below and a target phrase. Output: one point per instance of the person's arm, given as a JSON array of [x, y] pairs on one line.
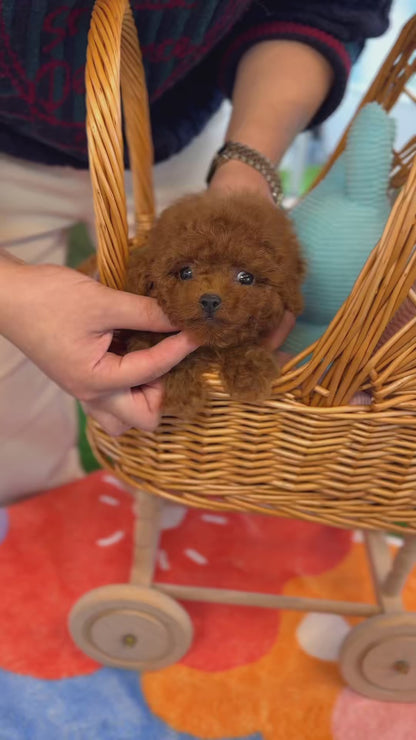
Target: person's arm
[[279, 87], [64, 322], [286, 65]]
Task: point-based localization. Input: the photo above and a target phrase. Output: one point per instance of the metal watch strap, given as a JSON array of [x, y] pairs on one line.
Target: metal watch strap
[[243, 153]]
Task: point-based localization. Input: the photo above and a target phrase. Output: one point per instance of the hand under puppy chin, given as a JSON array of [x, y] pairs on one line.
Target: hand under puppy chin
[[236, 176]]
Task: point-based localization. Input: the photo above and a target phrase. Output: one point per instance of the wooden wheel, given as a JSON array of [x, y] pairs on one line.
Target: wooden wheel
[[131, 627], [378, 658]]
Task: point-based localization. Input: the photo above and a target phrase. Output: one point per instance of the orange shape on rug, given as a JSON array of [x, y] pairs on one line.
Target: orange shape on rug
[[286, 695]]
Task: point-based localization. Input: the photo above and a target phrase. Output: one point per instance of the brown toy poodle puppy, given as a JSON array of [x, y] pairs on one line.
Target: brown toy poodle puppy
[[224, 269]]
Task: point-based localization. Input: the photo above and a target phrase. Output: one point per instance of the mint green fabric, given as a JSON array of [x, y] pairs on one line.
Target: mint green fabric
[[341, 220]]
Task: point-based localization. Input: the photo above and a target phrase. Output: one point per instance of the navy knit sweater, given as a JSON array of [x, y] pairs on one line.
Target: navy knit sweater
[[191, 49]]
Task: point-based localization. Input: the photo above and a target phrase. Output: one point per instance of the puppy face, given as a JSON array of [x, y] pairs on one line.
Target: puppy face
[[224, 268]]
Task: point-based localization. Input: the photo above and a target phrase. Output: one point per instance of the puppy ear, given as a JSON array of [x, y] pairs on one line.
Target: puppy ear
[[139, 272], [294, 270], [291, 265]]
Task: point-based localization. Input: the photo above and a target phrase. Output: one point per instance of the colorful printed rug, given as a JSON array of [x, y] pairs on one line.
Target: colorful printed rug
[[251, 674]]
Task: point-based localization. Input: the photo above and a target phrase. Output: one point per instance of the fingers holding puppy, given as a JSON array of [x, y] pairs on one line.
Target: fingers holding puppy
[[115, 372], [131, 389], [137, 408]]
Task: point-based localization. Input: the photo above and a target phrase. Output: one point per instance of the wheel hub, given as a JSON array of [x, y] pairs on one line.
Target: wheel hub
[[391, 664], [131, 634]]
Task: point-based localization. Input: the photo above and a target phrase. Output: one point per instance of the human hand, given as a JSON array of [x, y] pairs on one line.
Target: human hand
[[64, 322], [234, 176]]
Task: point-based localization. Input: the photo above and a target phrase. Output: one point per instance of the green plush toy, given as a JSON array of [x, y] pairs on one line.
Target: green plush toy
[[341, 220]]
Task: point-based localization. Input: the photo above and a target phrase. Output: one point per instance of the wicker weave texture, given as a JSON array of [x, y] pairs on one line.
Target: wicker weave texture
[[341, 468], [305, 453], [114, 62]]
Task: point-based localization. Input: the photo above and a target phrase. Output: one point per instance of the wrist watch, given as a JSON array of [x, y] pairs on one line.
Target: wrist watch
[[243, 153]]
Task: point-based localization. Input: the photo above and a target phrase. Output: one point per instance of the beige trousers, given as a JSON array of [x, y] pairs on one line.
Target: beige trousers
[[38, 204]]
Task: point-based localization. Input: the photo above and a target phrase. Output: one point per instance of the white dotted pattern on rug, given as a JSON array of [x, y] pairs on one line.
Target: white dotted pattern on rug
[[321, 635], [172, 515]]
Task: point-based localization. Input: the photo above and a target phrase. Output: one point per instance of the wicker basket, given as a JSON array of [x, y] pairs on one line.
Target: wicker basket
[[305, 453]]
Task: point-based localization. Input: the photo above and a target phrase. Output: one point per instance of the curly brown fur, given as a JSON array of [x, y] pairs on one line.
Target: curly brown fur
[[217, 238]]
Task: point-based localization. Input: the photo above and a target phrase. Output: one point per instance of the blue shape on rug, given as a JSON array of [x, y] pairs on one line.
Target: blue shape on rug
[[106, 705]]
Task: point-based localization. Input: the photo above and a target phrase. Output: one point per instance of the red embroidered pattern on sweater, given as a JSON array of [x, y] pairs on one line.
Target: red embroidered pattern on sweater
[[234, 8], [69, 27], [35, 109], [35, 100]]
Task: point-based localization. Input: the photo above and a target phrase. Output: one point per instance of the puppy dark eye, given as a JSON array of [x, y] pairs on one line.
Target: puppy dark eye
[[185, 273], [245, 278]]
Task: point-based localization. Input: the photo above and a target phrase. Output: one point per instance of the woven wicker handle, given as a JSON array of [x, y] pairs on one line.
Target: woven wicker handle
[[114, 61]]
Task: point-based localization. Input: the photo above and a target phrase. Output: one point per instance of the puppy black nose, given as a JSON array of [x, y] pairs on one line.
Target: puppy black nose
[[210, 302]]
